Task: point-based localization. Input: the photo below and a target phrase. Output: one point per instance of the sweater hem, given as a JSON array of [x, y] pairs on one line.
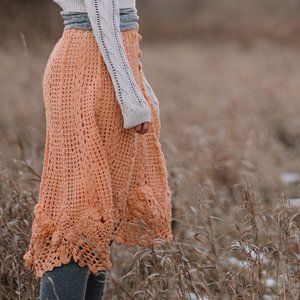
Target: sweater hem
[[134, 118]]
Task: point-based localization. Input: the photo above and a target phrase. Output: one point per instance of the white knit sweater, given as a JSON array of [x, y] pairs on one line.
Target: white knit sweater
[[105, 21], [80, 5]]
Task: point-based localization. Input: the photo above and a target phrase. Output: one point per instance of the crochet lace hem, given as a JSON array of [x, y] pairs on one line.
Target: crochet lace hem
[[51, 247], [64, 254], [86, 241]]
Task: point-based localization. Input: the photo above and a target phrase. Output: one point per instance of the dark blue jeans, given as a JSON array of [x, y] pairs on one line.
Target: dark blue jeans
[[72, 282]]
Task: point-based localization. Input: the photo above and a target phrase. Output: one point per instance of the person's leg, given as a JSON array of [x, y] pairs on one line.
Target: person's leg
[[67, 282], [95, 286]]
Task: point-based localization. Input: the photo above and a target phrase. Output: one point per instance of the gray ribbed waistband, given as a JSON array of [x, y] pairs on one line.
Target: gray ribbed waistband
[[80, 20]]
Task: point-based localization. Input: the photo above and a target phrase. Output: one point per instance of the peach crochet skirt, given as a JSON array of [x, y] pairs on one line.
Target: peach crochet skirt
[[100, 182]]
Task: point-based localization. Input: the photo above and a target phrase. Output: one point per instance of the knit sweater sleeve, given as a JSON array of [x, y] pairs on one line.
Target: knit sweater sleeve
[[105, 21]]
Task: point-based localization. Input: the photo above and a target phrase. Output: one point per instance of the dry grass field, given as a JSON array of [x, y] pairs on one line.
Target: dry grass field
[[230, 116]]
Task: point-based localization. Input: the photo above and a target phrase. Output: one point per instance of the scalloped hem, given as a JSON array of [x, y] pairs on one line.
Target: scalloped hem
[[64, 254], [52, 247]]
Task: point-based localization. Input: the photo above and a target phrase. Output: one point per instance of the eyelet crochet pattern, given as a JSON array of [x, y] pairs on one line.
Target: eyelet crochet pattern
[[100, 182]]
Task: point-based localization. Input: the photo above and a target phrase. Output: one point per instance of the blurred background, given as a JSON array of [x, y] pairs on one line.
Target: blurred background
[[227, 77]]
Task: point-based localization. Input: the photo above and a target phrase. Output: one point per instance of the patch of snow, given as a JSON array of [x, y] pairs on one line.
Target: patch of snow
[[193, 296], [253, 253], [190, 233], [241, 264], [270, 282], [290, 178], [294, 202]]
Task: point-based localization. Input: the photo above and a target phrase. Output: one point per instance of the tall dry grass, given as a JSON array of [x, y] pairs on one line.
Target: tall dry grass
[[235, 251], [231, 135]]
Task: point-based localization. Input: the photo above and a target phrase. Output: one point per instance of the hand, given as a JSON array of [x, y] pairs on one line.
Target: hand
[[142, 128]]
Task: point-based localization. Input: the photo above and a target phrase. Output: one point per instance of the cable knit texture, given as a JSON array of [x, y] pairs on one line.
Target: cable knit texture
[[79, 6], [104, 16], [100, 182]]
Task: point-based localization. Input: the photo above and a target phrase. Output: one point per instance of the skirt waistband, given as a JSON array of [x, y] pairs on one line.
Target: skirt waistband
[[80, 20]]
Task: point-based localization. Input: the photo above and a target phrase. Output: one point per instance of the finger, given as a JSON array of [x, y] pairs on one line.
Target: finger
[[145, 127], [138, 128]]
